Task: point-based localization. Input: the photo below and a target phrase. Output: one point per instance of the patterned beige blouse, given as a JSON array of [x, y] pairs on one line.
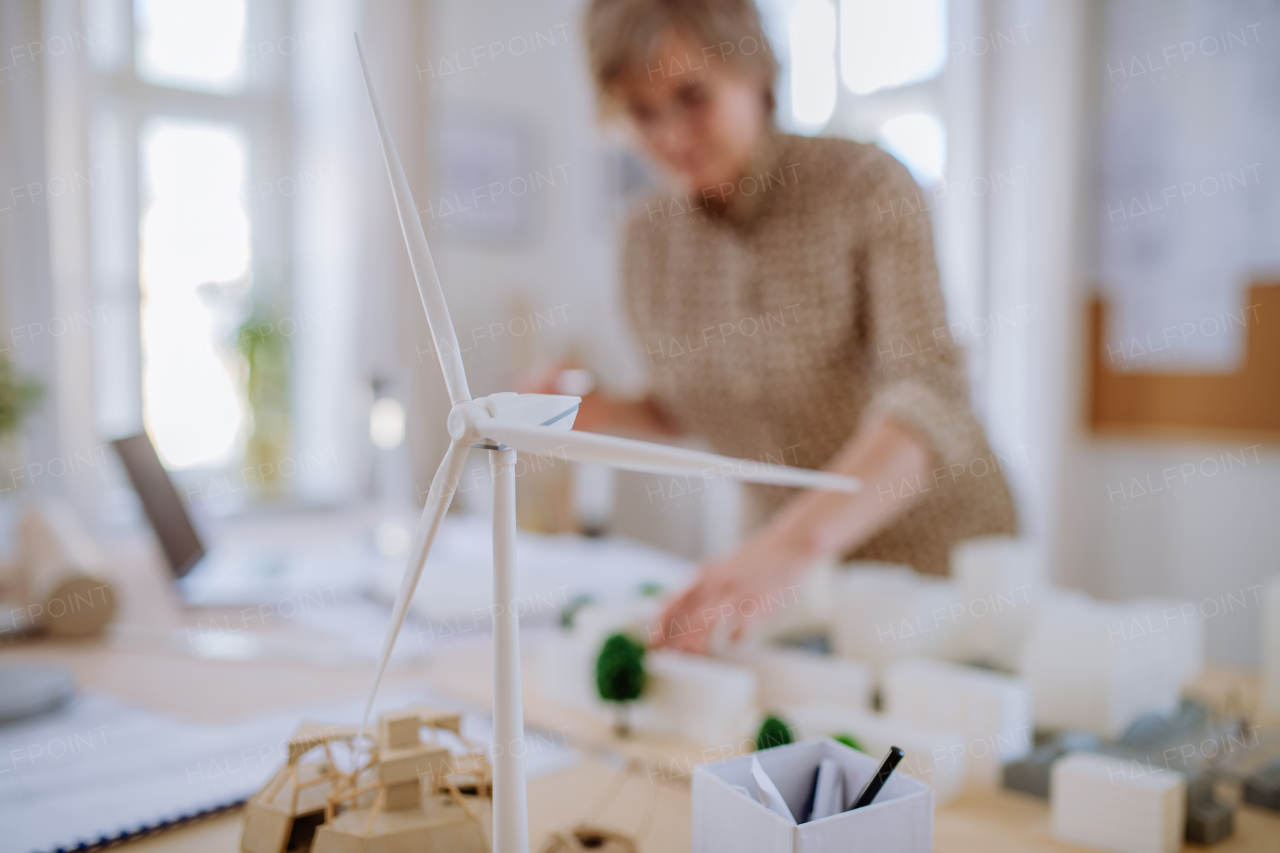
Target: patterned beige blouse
[[778, 330]]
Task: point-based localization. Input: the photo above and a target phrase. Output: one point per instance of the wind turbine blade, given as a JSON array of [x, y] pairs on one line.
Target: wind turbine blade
[[443, 485], [631, 455], [424, 269]]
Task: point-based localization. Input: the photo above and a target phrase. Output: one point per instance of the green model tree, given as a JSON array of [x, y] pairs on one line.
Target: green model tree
[[571, 609], [848, 740], [774, 731], [620, 677]]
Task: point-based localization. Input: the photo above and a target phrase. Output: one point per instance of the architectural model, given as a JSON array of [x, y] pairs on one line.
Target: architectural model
[[504, 424], [1104, 802], [697, 698], [992, 710], [1088, 670], [1002, 582], [936, 757], [789, 676], [341, 793], [882, 613], [1271, 647]]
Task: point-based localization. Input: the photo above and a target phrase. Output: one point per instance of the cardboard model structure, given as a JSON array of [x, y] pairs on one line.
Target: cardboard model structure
[[335, 794]]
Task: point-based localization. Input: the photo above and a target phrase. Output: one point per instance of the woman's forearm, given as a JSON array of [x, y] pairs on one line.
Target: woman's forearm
[[819, 524], [599, 413]]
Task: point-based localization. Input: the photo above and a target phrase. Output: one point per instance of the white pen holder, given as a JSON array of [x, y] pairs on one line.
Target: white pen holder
[[725, 820]]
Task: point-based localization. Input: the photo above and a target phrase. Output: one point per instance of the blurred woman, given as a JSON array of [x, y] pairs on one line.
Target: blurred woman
[[787, 296]]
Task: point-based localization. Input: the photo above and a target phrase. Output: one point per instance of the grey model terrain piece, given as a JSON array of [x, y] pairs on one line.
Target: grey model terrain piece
[[1031, 774], [1263, 787], [1208, 821], [1154, 741]]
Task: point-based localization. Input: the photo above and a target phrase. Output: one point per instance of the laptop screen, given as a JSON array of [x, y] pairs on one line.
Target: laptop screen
[[160, 501]]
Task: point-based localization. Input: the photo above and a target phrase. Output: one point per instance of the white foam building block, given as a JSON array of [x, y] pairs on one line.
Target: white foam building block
[[991, 709], [1271, 646], [934, 756], [689, 696], [802, 607], [882, 613], [799, 677], [1117, 805], [1174, 623], [1002, 582], [566, 660], [697, 698], [1088, 673], [727, 818]]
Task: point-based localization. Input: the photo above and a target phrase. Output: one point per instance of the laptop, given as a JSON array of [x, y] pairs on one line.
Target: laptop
[[245, 574]]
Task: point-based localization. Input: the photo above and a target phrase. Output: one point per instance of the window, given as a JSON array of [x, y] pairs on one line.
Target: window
[[184, 251], [885, 87], [885, 45], [881, 72], [191, 44], [194, 238], [812, 46]]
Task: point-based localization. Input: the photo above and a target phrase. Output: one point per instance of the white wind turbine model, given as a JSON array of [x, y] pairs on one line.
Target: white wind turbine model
[[505, 423]]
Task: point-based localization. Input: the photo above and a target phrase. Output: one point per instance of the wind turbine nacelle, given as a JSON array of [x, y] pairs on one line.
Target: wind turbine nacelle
[[556, 411], [550, 410]]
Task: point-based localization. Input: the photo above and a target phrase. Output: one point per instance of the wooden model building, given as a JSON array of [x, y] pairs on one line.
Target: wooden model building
[[339, 793]]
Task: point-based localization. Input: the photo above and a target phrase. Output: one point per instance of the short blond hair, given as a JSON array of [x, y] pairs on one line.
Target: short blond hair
[[623, 34]]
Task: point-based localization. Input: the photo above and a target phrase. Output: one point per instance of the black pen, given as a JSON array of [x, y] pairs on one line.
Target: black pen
[[877, 780]]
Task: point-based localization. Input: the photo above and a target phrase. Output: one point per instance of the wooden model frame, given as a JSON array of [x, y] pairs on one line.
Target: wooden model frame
[[270, 827]]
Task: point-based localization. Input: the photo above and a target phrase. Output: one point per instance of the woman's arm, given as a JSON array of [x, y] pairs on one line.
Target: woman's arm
[[811, 527], [600, 412]]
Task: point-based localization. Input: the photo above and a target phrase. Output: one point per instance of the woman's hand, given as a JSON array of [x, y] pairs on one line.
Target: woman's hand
[[733, 591], [816, 524], [595, 412], [598, 412]]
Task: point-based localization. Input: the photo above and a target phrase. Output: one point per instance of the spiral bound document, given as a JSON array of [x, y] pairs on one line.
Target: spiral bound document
[[99, 772]]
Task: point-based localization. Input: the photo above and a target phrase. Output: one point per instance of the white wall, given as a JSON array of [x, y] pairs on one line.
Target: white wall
[[1191, 519], [1199, 521], [564, 264]]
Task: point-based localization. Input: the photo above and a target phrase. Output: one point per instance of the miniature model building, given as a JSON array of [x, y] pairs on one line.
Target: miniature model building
[[688, 696], [798, 676], [338, 793], [1031, 775], [1104, 802], [1090, 670], [882, 613], [1153, 741], [1208, 820], [992, 710], [934, 756], [1002, 583], [1271, 646], [1263, 787]]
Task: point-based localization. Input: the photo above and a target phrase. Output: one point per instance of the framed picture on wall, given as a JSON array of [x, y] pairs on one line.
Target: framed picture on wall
[[485, 187]]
